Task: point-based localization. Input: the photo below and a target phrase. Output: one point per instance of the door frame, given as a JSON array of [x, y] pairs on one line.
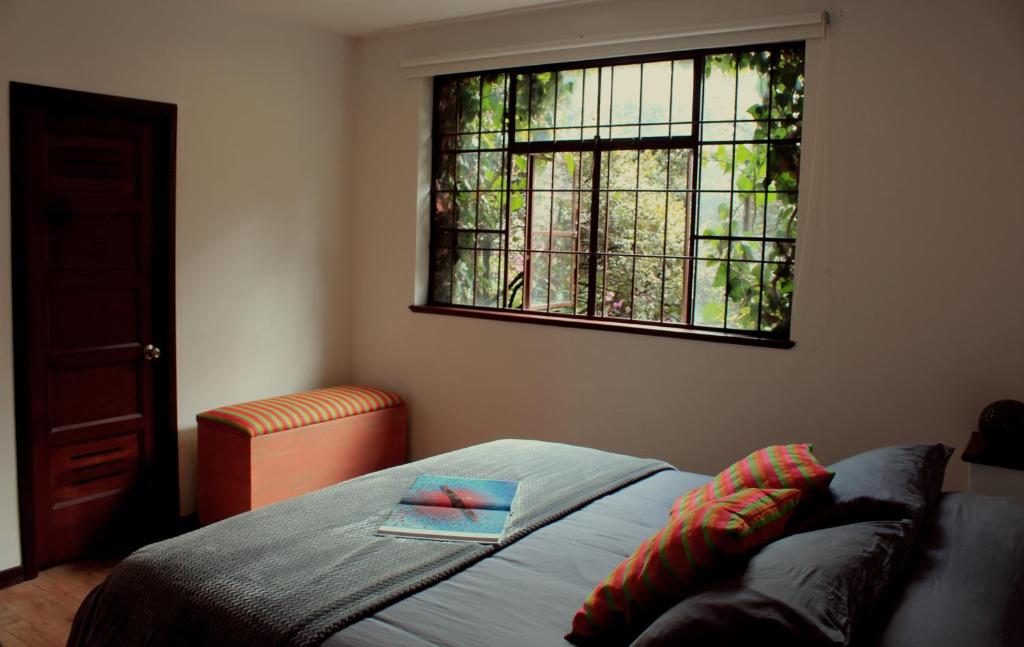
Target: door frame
[[163, 117]]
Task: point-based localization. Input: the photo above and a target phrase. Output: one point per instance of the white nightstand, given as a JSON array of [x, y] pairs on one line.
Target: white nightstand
[[991, 471]]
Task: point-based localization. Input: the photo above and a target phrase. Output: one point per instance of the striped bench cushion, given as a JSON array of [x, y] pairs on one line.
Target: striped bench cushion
[[261, 417]]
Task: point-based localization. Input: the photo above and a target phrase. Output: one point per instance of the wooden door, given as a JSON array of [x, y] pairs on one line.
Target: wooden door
[[92, 242]]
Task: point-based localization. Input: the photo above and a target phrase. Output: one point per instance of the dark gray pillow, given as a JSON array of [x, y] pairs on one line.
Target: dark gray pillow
[[901, 482], [819, 585], [814, 588]]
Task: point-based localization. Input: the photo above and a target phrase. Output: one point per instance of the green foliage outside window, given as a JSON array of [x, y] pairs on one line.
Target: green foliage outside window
[[696, 201]]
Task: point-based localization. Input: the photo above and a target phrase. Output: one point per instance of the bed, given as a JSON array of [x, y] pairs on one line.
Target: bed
[[957, 578]]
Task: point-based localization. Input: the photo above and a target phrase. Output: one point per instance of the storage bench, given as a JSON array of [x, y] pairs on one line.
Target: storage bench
[[256, 453]]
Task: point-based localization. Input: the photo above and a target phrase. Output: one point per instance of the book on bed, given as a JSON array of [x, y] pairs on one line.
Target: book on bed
[[453, 508]]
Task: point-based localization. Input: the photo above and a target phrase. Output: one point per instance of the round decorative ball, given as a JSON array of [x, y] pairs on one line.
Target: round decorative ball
[[1002, 422]]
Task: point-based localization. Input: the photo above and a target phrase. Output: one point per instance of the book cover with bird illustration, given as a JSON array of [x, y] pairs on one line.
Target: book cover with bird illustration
[[453, 508]]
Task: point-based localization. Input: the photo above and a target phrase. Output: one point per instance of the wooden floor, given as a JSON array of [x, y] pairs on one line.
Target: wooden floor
[[38, 613]]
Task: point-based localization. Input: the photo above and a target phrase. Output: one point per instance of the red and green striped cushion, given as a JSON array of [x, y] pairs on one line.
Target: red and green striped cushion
[[778, 466], [272, 415], [668, 563]]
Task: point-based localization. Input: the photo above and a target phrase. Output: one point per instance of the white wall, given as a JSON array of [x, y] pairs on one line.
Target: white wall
[[908, 313], [262, 228]]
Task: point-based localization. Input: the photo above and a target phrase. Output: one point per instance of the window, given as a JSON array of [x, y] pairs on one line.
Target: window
[[654, 191]]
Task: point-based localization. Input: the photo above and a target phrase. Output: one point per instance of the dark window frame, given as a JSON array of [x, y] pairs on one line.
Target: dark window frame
[[598, 147]]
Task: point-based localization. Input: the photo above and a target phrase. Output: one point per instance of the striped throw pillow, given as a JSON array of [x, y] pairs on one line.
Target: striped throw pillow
[[670, 561], [778, 466]]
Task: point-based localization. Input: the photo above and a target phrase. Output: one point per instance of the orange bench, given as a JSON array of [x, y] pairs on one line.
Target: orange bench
[[256, 453]]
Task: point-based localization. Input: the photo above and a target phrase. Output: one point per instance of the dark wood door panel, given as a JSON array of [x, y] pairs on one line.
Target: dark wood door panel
[[91, 241], [93, 280], [95, 523], [79, 395], [91, 318], [94, 467], [105, 125], [94, 429], [95, 356], [92, 218], [96, 164]]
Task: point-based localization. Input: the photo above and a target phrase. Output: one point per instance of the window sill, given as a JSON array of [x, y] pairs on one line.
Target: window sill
[[612, 326]]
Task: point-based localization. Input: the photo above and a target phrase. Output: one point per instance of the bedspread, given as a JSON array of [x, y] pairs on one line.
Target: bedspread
[[296, 572]]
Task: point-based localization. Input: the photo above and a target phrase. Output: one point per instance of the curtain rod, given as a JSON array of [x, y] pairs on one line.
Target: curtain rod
[[772, 29]]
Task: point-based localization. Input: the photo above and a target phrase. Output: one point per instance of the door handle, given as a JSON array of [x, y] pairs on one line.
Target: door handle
[[151, 352]]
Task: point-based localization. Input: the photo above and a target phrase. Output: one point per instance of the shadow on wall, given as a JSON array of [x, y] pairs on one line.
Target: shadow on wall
[[187, 469]]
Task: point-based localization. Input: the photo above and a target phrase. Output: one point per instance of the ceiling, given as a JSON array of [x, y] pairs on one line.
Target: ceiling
[[354, 17]]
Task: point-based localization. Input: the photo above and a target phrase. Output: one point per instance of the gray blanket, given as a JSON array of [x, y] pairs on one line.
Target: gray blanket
[[295, 572]]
